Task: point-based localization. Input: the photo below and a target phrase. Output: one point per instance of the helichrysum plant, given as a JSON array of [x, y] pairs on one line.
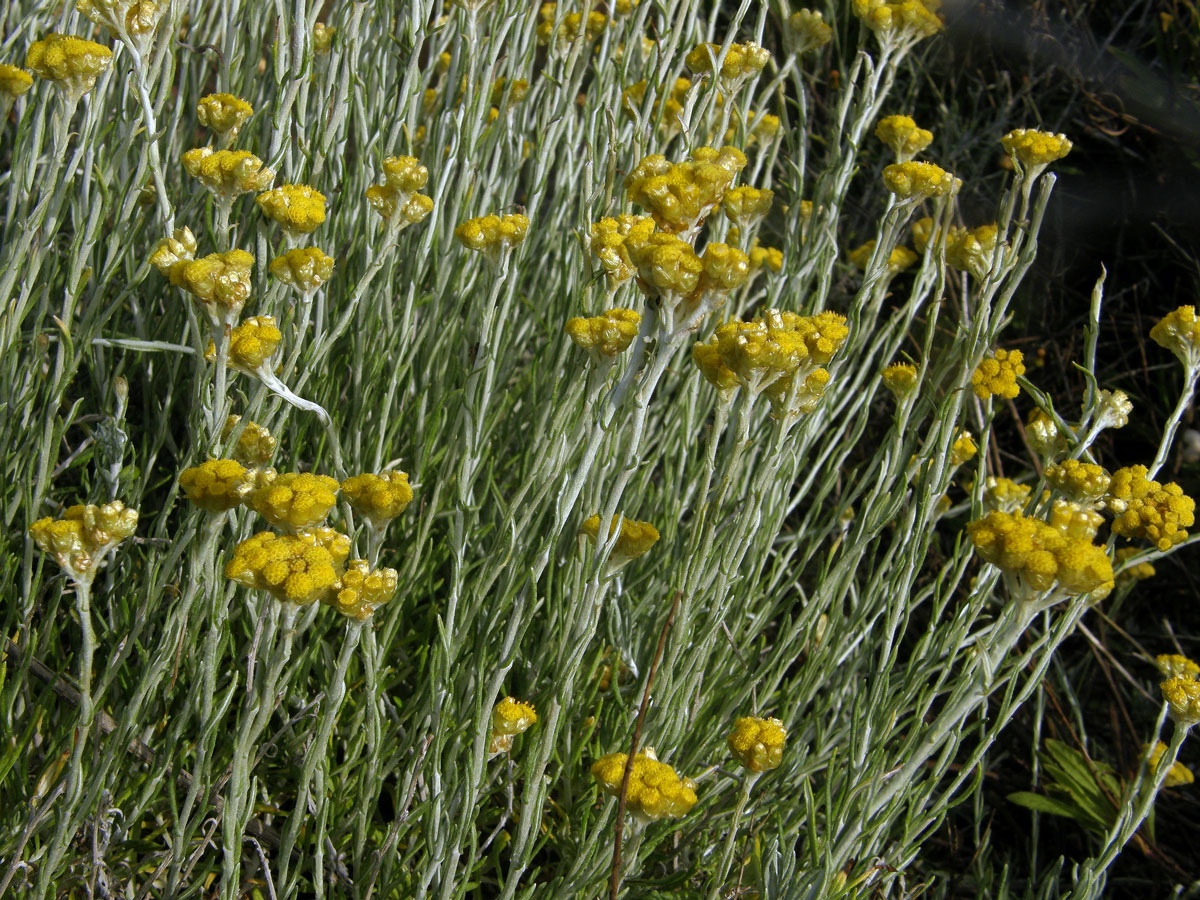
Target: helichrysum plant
[[393, 324]]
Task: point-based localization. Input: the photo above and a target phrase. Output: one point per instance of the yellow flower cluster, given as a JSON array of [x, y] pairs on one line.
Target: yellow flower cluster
[[765, 258], [378, 498], [670, 104], [227, 173], [1042, 555], [1176, 665], [493, 236], [293, 500], [758, 743], [707, 358], [216, 485], [223, 114], [918, 180], [1035, 149], [510, 717], [1004, 495], [680, 195], [971, 249], [14, 81], [900, 379], [71, 63], [742, 61], [757, 127], [361, 590], [1182, 696], [1146, 509], [1136, 572], [1082, 481], [133, 19], [572, 26], [305, 269], [605, 337], [997, 375], [287, 566], [252, 344], [179, 247], [654, 791], [635, 538], [1044, 435], [809, 30], [1179, 332], [1075, 520], [901, 258], [747, 205], [899, 20], [297, 207], [963, 449], [902, 135], [220, 281], [1177, 776], [398, 200], [84, 536], [255, 445], [607, 242]]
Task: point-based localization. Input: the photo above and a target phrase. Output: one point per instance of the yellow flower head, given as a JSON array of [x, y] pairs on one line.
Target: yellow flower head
[[1035, 149], [809, 30], [765, 258], [758, 743], [902, 135], [997, 375], [378, 498], [747, 205], [605, 337], [1044, 435], [1146, 509], [179, 247], [223, 114], [508, 92], [220, 281], [1075, 519], [329, 539], [963, 449], [900, 379], [14, 81], [253, 343], [493, 236], [665, 265], [84, 536], [1004, 495], [1182, 696], [654, 791], [634, 540], [669, 102], [72, 63], [971, 249], [512, 716], [216, 484], [255, 445], [1078, 480], [607, 242], [288, 567], [398, 200], [1176, 665], [725, 269], [572, 27], [680, 195], [134, 19], [742, 61], [297, 207], [1136, 572], [294, 500], [707, 357], [305, 269], [918, 180], [1179, 332], [900, 22], [322, 38], [898, 260], [227, 173], [362, 590], [1044, 556], [1177, 776]]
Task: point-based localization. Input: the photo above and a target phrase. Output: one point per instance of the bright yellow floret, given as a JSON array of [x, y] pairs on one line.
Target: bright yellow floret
[[220, 281], [899, 22], [223, 114], [1079, 480], [1177, 776], [1146, 509], [294, 500], [758, 743], [286, 566], [1176, 665], [297, 207], [510, 717], [71, 63], [741, 61], [902, 135], [607, 242], [1035, 149], [1179, 332], [179, 247], [918, 180], [253, 343], [605, 337], [255, 445], [362, 590], [14, 81], [494, 236], [809, 30], [654, 791], [963, 449], [398, 200], [898, 260], [1182, 696], [305, 269], [635, 538], [378, 498], [997, 375], [133, 19], [680, 195], [228, 173], [1044, 556], [216, 484], [747, 205], [84, 536]]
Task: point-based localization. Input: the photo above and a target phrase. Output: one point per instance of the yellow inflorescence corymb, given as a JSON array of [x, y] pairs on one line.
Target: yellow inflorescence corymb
[[510, 717], [1035, 149], [253, 343], [900, 379], [746, 205], [573, 26], [255, 445], [971, 249], [216, 485], [134, 19], [898, 260], [220, 281], [904, 21], [607, 242], [398, 200], [1042, 555], [665, 265], [680, 195], [707, 357], [83, 537], [963, 449], [297, 207], [902, 135], [742, 61], [294, 500], [305, 268], [765, 258], [654, 791], [14, 81], [635, 538], [809, 29], [493, 236], [72, 63], [1079, 480], [286, 566], [1182, 696], [1177, 776], [223, 114], [607, 336], [1004, 495], [1176, 665], [1179, 332], [997, 375], [179, 247], [378, 498], [228, 173], [361, 590], [918, 180], [758, 743], [1146, 509]]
